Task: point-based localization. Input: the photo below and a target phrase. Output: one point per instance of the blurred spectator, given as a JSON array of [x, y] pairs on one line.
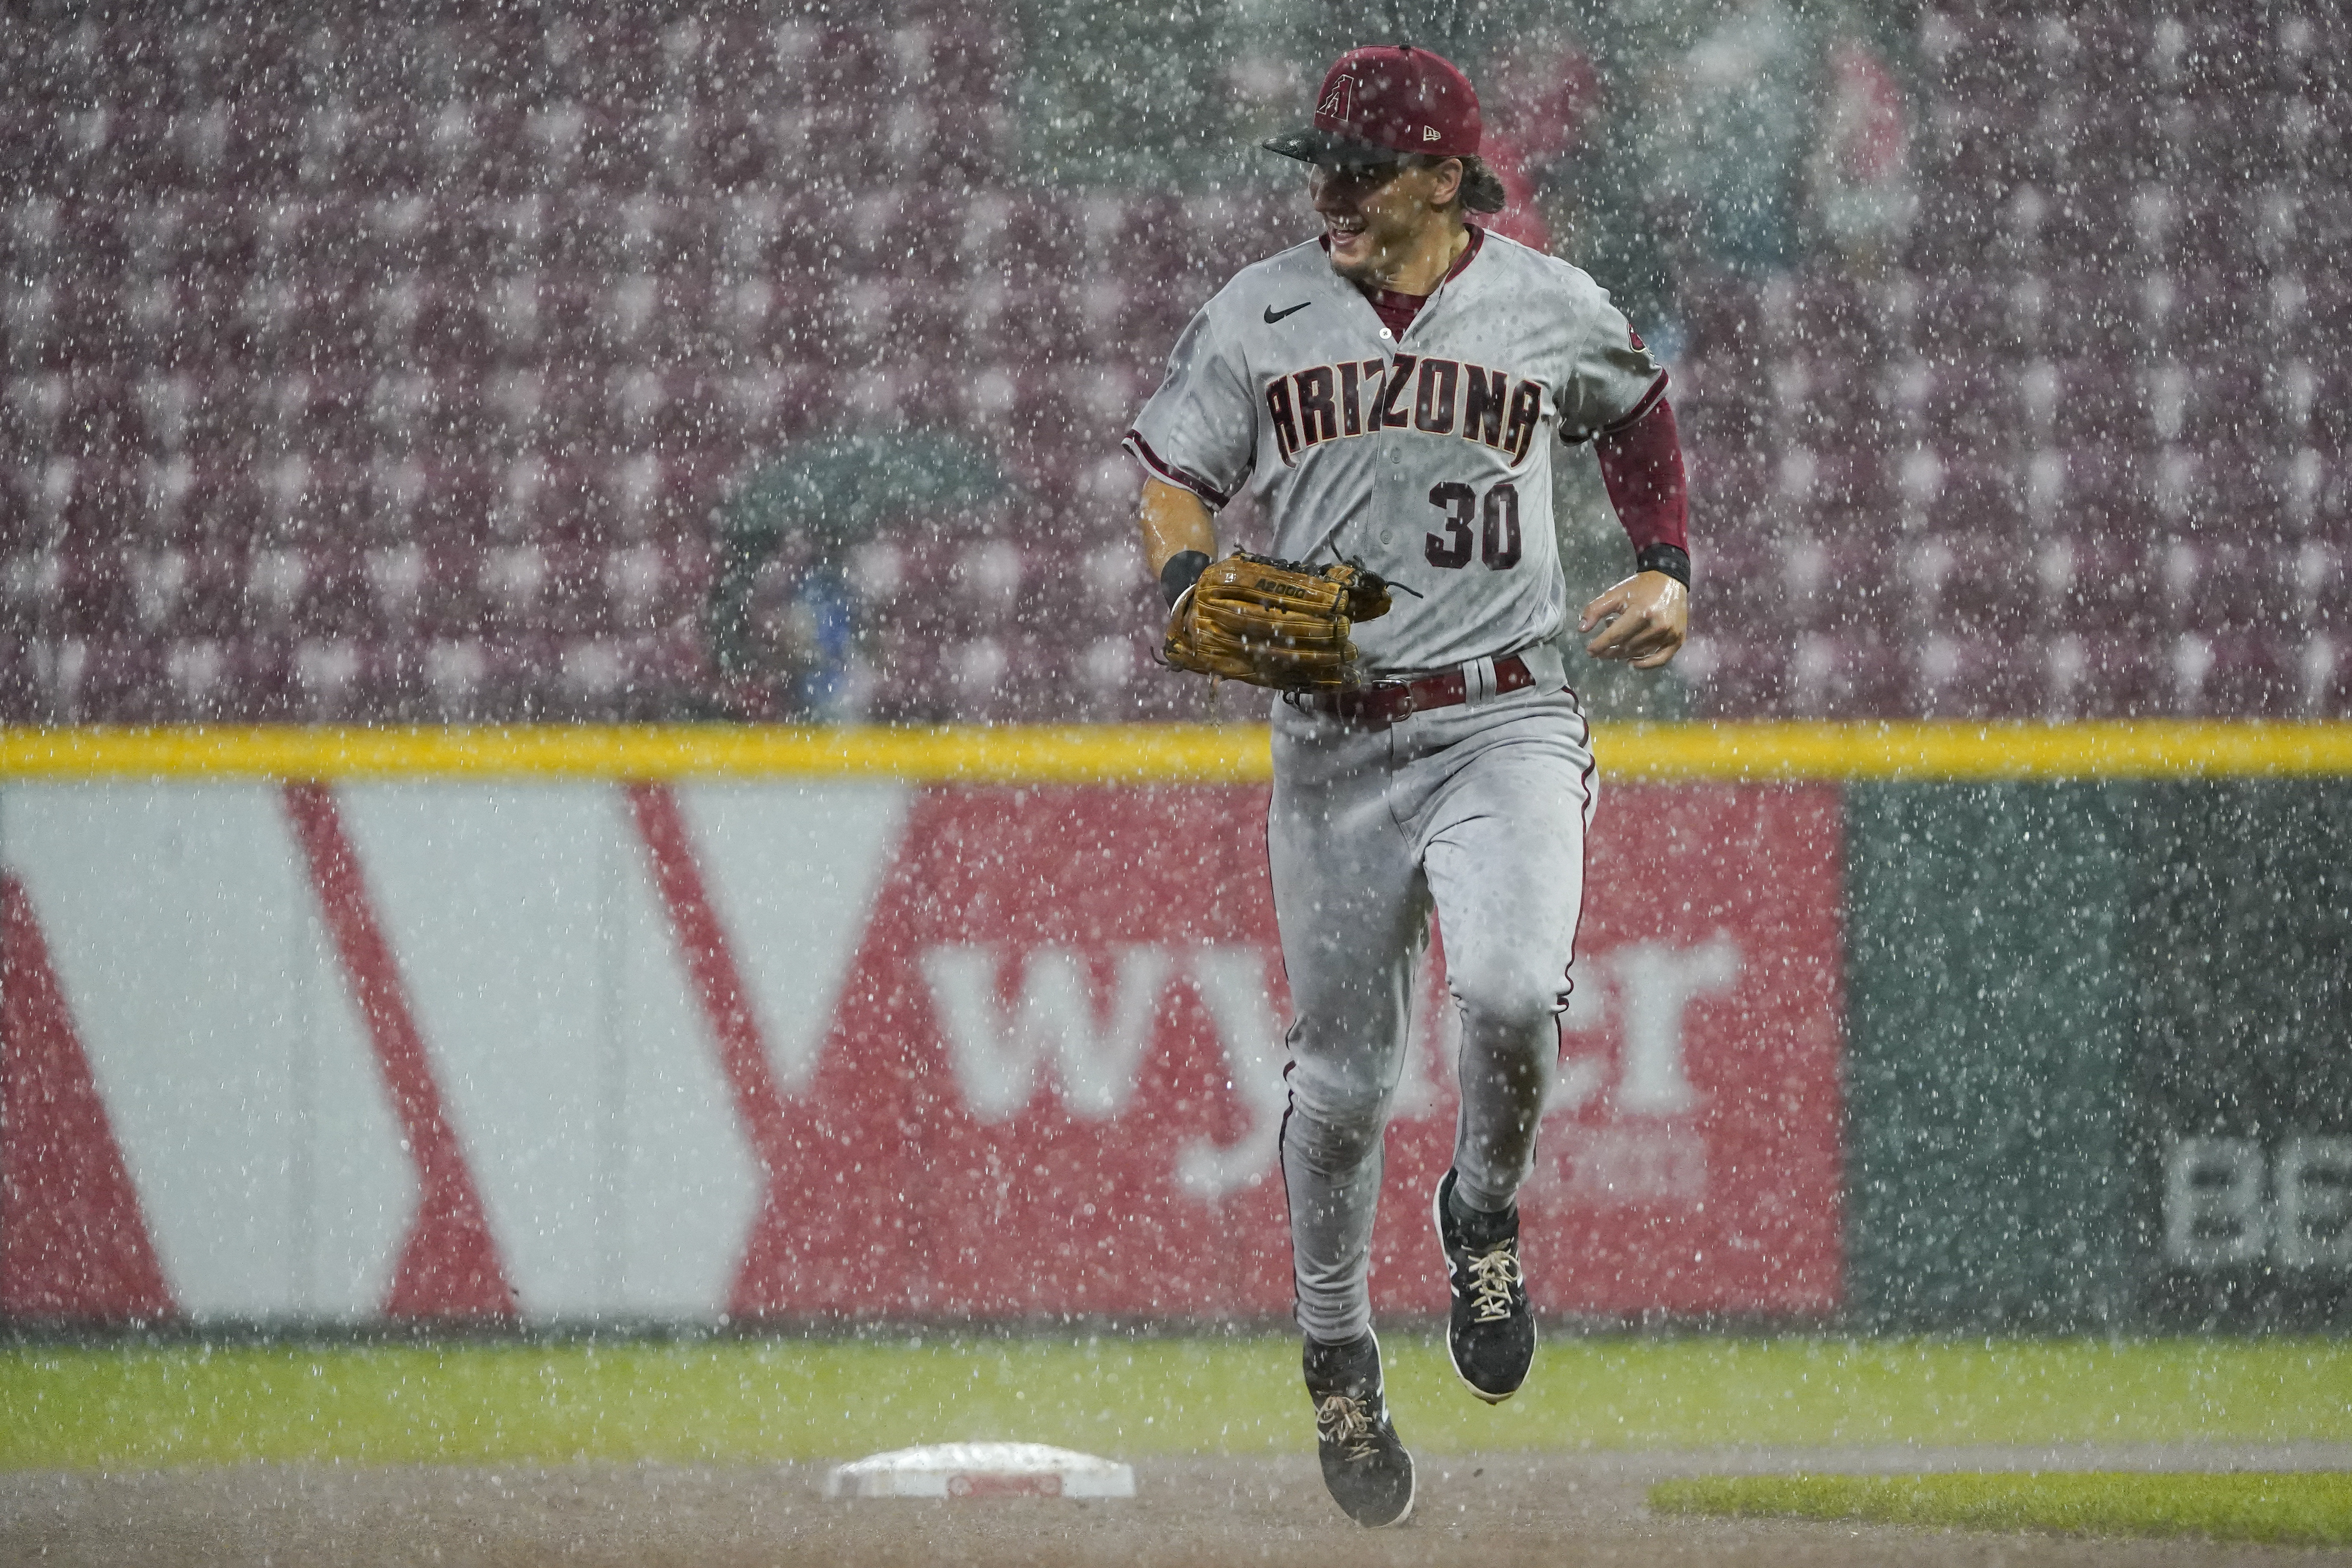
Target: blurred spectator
[[1730, 126], [1860, 173], [1538, 104], [1543, 100], [782, 617], [1520, 218]]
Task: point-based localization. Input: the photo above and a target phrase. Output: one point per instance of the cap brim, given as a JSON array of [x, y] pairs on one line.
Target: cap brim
[[1329, 148]]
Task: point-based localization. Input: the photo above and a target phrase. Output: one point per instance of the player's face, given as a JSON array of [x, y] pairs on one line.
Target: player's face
[[1376, 215]]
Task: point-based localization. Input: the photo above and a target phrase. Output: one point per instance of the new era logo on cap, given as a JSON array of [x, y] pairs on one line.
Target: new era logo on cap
[[1428, 133]]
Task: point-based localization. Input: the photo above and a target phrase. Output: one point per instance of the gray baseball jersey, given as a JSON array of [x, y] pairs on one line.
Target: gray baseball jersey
[[1426, 458]]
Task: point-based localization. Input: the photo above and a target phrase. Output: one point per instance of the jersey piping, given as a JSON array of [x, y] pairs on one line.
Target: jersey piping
[[1183, 478], [1640, 410]]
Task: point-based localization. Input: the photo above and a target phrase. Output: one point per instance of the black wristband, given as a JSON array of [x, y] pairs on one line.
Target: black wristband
[[1183, 569], [1671, 559]]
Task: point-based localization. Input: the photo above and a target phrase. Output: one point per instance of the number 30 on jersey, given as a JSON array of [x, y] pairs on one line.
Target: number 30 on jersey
[[1497, 534]]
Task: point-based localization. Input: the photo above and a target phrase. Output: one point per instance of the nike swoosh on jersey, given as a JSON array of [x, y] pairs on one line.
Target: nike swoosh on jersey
[[1273, 315]]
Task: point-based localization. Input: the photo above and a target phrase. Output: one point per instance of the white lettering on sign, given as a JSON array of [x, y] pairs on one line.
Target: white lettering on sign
[[2314, 1203], [2214, 1202], [997, 1052], [2226, 1205], [1629, 1162], [1655, 983], [1652, 986], [1000, 1053], [1232, 982], [1577, 1081]]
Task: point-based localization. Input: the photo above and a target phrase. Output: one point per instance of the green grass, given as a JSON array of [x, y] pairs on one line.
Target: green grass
[[805, 1399], [2300, 1509]]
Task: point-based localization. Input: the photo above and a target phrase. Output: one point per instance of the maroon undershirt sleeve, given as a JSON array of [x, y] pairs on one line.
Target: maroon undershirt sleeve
[[1643, 466]]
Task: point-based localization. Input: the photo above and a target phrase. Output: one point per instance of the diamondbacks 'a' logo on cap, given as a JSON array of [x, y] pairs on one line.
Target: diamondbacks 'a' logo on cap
[[1340, 101]]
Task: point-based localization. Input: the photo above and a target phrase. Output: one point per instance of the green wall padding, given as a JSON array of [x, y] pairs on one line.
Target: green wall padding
[[1989, 981], [2243, 961]]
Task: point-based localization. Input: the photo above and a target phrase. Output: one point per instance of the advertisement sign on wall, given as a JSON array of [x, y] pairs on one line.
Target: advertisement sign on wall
[[589, 1051]]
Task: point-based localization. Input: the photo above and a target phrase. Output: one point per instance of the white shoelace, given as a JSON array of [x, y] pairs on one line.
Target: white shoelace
[[1347, 1421], [1494, 1274]]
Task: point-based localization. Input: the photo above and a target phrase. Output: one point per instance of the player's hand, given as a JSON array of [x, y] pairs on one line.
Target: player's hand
[[1642, 620]]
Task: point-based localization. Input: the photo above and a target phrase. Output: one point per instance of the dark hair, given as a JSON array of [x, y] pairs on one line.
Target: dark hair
[[1482, 188]]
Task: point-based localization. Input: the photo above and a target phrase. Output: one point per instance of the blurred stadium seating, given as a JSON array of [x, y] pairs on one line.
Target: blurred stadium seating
[[2070, 457], [358, 369]]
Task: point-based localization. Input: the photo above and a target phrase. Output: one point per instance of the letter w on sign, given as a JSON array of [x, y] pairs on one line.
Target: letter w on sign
[[996, 1050]]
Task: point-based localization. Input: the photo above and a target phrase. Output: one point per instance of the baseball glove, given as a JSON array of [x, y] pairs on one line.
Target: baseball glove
[[1274, 623]]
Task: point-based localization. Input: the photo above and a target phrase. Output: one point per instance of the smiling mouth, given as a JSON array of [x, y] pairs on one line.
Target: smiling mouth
[[1344, 228]]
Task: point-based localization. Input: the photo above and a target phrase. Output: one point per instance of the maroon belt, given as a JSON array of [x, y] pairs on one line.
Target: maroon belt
[[1382, 703]]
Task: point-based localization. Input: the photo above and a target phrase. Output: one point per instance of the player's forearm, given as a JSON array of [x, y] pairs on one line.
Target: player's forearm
[[1176, 524], [1643, 466]]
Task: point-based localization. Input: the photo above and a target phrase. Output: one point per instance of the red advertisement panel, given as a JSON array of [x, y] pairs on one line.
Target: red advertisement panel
[[1053, 1081], [1691, 1160], [1029, 1056]]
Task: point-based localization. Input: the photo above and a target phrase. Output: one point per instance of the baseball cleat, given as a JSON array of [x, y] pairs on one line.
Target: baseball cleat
[[1491, 1335], [1364, 1462]]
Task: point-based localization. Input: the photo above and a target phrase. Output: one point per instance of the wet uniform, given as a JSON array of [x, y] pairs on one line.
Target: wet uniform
[[1421, 450]]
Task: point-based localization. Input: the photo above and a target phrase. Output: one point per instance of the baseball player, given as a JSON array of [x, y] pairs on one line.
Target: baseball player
[[1389, 391]]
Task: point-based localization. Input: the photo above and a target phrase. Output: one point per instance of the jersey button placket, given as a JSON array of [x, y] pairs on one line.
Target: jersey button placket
[[1389, 506]]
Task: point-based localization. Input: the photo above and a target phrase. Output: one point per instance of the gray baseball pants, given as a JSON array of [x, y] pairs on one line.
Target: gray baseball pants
[[1479, 811]]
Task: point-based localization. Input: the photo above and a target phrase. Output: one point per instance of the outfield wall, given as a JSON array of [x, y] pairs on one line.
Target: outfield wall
[[2100, 1052], [682, 1026]]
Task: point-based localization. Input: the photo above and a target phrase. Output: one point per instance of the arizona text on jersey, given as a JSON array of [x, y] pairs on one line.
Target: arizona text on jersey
[[1417, 457]]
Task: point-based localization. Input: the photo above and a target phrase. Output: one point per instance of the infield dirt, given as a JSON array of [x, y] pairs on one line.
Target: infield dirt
[[1554, 1510]]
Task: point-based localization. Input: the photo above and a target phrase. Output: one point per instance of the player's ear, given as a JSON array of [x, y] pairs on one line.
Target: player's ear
[[1445, 182]]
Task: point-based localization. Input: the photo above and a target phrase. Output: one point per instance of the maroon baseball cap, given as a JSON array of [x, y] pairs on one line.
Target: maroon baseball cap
[[1382, 102]]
